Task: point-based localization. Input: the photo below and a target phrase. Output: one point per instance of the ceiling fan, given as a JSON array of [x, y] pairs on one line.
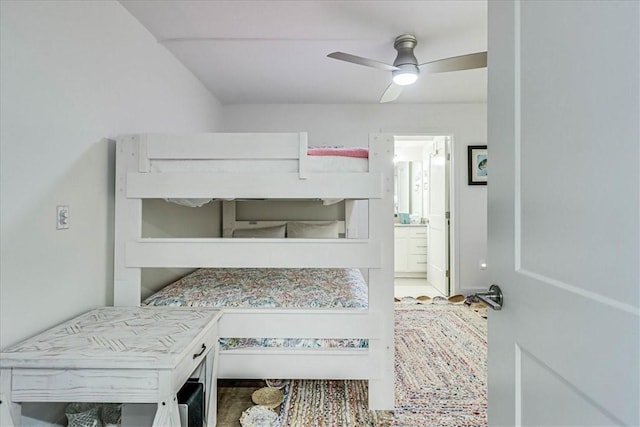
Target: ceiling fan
[[405, 69]]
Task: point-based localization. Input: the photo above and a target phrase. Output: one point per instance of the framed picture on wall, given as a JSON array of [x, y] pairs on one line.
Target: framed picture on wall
[[477, 163]]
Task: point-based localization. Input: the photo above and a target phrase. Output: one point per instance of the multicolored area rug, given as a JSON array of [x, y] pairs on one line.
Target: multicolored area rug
[[441, 366], [335, 403], [441, 377]]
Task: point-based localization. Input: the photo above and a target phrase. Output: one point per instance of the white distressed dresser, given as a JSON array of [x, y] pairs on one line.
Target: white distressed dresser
[[117, 355]]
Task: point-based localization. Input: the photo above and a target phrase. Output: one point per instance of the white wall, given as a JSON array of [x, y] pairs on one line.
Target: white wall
[[72, 74], [350, 125]]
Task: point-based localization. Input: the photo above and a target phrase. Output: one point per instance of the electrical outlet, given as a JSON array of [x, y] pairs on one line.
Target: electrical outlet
[[62, 217]]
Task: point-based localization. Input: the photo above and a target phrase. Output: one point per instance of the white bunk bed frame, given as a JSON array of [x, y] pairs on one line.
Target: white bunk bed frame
[[136, 181]]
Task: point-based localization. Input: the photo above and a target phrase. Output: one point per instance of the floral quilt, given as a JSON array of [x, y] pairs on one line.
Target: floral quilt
[[267, 288]]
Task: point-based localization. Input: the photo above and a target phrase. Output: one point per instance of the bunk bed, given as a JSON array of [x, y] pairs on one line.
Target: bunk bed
[[194, 169]]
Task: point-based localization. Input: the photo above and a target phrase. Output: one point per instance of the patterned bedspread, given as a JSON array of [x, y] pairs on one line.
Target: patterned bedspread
[[266, 288]]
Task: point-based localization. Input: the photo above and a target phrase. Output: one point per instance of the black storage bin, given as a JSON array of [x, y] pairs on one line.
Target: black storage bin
[[192, 395]]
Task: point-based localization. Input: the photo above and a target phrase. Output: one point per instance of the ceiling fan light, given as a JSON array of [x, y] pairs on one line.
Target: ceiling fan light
[[404, 78], [407, 74]]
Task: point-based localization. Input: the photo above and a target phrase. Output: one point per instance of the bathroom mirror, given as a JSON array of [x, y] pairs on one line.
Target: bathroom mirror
[[408, 188]]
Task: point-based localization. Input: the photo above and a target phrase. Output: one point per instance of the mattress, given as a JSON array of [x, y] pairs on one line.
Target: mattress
[[266, 288], [270, 288]]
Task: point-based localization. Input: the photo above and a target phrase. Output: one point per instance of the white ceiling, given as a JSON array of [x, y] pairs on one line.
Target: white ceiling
[[262, 52]]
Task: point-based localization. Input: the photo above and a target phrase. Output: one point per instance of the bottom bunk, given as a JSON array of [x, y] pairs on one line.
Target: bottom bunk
[[284, 323]]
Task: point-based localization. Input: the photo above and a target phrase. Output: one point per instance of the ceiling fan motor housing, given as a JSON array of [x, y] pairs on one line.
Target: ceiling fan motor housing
[[405, 44]]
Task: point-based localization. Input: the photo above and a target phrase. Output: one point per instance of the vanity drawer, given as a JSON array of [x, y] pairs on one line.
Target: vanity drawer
[[417, 246], [418, 232], [417, 263]]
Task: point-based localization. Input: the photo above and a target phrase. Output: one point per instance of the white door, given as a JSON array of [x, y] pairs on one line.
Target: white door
[[438, 218], [564, 219]]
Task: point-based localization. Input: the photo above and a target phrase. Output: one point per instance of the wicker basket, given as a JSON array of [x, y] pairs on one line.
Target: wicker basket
[[267, 396], [258, 416], [276, 383]]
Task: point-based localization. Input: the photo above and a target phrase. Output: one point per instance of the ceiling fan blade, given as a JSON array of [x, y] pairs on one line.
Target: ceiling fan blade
[[456, 63], [392, 93], [361, 61]]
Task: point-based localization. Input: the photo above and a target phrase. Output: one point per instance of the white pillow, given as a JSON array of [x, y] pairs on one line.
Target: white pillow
[[278, 232], [327, 230]]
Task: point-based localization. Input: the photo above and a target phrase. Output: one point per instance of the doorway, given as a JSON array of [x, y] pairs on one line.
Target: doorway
[[422, 217]]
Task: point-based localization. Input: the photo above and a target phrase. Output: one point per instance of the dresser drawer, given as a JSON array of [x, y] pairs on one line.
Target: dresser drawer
[[196, 354]]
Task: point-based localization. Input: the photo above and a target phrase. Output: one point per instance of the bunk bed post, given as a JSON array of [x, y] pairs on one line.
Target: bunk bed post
[[228, 217], [128, 223], [303, 144], [381, 387]]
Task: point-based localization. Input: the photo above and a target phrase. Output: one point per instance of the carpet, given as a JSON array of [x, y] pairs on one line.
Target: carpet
[[440, 370]]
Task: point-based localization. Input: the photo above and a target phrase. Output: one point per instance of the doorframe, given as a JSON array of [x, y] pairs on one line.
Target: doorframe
[[454, 252]]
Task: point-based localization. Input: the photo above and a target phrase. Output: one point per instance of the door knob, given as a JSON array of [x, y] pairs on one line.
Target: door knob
[[493, 298]]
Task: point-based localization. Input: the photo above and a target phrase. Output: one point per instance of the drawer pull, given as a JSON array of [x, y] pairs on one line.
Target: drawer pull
[[204, 347]]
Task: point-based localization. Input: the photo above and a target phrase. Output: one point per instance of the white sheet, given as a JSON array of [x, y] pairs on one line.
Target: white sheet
[[315, 164]]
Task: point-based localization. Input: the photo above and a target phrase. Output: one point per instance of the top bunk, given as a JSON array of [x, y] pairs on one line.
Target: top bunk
[[248, 166], [224, 167]]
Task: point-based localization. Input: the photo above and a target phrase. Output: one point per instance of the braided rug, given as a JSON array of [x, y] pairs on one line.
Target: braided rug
[[440, 368]]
